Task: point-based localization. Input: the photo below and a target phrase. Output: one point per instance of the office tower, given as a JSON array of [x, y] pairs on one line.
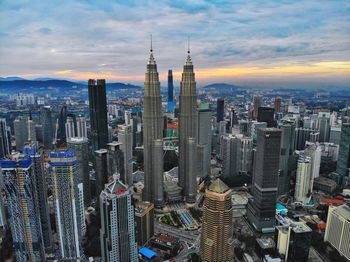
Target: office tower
[[39, 175], [81, 127], [125, 137], [188, 131], [61, 131], [278, 101], [256, 104], [314, 151], [20, 190], [69, 203], [46, 122], [334, 135], [304, 180], [98, 113], [152, 132], [21, 132], [220, 108], [301, 136], [144, 219], [5, 146], [70, 127], [293, 241], [323, 126], [267, 114], [338, 229], [81, 147], [101, 169], [222, 128], [343, 163], [237, 155], [204, 142], [233, 118], [170, 92], [261, 209], [115, 160], [244, 128], [216, 239], [31, 130], [287, 143], [117, 231]]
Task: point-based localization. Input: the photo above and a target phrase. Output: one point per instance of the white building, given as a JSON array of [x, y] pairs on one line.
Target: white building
[[304, 179]]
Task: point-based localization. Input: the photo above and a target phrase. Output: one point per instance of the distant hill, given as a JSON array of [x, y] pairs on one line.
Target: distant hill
[[16, 84], [221, 86], [11, 78]]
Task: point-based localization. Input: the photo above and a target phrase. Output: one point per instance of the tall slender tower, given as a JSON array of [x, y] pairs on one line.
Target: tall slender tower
[[170, 92], [153, 135], [188, 131], [98, 113]]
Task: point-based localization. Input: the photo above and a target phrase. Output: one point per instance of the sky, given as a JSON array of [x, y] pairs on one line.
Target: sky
[[283, 43]]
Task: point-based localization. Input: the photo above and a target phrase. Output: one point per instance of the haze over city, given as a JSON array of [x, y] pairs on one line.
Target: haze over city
[[278, 43]]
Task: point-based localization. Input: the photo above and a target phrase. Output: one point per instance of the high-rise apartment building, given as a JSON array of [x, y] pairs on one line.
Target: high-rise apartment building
[[338, 229], [69, 203], [304, 179], [21, 132], [314, 151], [125, 137], [98, 113], [47, 125], [81, 127], [20, 189], [343, 163], [153, 136], [39, 178], [261, 209], [70, 127], [187, 132], [81, 147], [216, 238], [117, 231], [323, 125], [144, 218]]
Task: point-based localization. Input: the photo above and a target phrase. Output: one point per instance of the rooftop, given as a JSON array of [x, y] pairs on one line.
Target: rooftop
[[343, 210], [218, 186]]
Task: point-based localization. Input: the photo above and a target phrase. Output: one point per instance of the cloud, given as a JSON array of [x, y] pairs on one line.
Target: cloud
[[42, 37]]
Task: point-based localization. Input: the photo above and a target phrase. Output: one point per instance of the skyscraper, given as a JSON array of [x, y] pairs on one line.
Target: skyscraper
[[117, 224], [152, 135], [216, 238], [144, 218], [115, 160], [304, 180], [5, 145], [278, 101], [81, 147], [314, 151], [125, 137], [267, 114], [98, 113], [256, 105], [61, 132], [20, 189], [101, 169], [69, 203], [204, 142], [343, 163], [323, 124], [21, 132], [170, 92], [39, 178], [261, 209], [70, 127], [220, 108], [188, 131], [46, 122], [81, 127]]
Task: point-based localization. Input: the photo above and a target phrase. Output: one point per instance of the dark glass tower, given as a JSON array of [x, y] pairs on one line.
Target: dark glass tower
[[46, 121], [266, 114], [62, 118], [170, 92], [98, 113], [261, 209], [343, 163], [220, 103]]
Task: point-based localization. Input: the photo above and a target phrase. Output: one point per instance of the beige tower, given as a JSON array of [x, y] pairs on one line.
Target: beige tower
[[216, 241]]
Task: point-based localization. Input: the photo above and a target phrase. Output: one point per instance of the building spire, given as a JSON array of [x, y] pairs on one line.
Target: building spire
[[188, 45], [189, 60], [151, 45], [151, 60]]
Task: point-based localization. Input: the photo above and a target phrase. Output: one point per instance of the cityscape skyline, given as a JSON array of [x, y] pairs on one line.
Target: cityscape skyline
[[237, 43]]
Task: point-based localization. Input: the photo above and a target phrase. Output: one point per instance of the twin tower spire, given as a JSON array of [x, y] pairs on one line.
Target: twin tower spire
[[153, 133]]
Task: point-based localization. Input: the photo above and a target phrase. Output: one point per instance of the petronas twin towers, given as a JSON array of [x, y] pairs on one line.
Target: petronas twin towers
[[153, 134]]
